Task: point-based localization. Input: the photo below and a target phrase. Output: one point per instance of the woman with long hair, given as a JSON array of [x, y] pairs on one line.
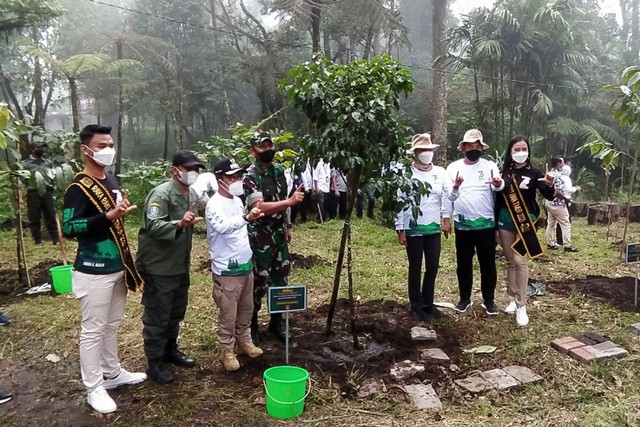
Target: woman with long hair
[[516, 214]]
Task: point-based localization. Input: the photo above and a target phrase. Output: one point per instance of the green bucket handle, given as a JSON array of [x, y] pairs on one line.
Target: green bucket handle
[[288, 403]]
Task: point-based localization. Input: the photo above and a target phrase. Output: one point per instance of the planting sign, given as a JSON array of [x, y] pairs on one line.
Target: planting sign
[[287, 298], [632, 253]]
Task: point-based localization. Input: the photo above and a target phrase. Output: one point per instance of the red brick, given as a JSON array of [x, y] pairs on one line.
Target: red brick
[[566, 344], [595, 337], [582, 355], [586, 341]]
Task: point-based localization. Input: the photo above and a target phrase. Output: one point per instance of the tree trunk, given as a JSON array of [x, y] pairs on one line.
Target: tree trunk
[[634, 168], [38, 112], [354, 180], [120, 114], [75, 114], [214, 24], [315, 27], [439, 124], [165, 152]]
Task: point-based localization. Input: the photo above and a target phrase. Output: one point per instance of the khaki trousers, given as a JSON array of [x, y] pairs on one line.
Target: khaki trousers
[[102, 299], [517, 269], [234, 297], [558, 215]]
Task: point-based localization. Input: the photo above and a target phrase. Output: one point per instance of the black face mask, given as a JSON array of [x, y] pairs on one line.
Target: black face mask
[[267, 156], [473, 155]]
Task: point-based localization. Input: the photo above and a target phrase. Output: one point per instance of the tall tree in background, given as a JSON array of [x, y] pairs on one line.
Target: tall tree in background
[[439, 124]]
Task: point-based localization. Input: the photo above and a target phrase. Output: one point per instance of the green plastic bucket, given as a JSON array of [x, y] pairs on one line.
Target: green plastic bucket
[[61, 278], [286, 389]]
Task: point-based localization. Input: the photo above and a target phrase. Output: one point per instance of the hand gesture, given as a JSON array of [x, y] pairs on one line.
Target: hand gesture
[[458, 181], [496, 181], [402, 239], [122, 209], [189, 218], [297, 196], [548, 176], [254, 214]]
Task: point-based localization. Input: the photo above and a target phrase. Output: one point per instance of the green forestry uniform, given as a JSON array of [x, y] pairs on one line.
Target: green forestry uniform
[[40, 203], [267, 235], [163, 259]]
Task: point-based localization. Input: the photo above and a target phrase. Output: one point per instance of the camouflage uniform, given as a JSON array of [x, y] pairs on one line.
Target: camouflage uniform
[[267, 236]]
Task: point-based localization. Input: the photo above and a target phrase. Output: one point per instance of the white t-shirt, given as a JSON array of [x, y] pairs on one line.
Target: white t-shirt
[[473, 209], [434, 207], [227, 236], [205, 185], [322, 175]]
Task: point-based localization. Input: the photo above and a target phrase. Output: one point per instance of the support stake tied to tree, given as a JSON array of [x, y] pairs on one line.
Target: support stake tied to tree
[[354, 107]]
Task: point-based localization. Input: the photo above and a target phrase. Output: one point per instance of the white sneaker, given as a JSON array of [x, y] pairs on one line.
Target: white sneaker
[[124, 378], [522, 319], [511, 308], [100, 400]]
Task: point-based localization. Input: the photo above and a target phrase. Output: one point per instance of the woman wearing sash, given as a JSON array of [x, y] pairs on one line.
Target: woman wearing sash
[[516, 213]]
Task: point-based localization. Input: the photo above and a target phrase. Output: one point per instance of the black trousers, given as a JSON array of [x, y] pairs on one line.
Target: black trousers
[[37, 207], [338, 205], [417, 248], [482, 243]]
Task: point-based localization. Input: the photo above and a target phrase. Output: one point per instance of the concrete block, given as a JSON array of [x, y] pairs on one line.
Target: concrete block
[[474, 384], [423, 396], [499, 379], [522, 374]]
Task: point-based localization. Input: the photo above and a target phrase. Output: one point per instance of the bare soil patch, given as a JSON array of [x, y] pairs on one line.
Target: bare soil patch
[[618, 292], [10, 281]]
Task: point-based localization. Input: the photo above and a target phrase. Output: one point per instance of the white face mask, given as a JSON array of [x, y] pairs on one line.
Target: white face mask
[[188, 178], [236, 188], [566, 170], [426, 157], [520, 156], [104, 157]]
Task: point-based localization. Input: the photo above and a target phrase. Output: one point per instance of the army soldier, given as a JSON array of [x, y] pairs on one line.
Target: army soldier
[[265, 188], [39, 204], [164, 256]]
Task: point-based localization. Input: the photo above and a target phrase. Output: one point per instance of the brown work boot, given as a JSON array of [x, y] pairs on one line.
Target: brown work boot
[[249, 349], [228, 359]]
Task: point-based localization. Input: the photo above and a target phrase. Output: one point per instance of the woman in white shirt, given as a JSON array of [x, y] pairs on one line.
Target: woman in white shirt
[[421, 236]]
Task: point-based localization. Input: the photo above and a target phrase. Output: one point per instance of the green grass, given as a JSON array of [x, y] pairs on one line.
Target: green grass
[[606, 394]]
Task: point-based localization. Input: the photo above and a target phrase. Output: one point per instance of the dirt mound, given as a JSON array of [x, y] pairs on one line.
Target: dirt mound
[[10, 282], [618, 292], [303, 261], [384, 338]]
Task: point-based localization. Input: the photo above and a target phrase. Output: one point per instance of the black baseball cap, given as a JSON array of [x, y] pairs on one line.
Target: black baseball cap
[[186, 158], [227, 167]]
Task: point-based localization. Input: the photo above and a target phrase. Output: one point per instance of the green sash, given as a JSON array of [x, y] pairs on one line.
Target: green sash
[[527, 243], [103, 200]]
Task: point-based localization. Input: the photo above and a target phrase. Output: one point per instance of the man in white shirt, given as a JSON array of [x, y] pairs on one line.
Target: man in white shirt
[[231, 264], [476, 179], [339, 194], [322, 187], [303, 176]]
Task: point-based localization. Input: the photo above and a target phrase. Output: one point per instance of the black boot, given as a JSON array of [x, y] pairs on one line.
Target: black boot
[[158, 372], [276, 328], [175, 356], [255, 333]]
